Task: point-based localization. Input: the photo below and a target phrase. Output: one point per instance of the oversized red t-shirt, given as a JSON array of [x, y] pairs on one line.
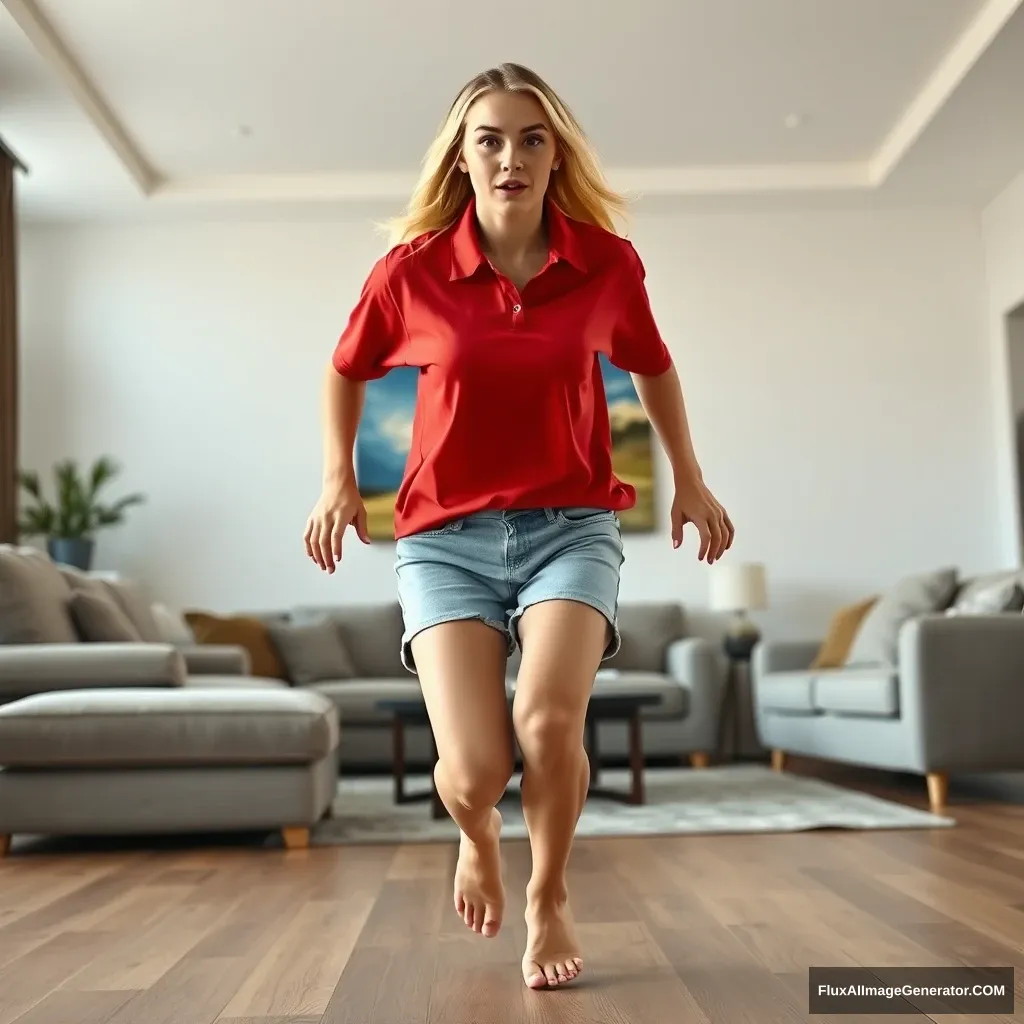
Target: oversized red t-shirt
[[511, 409]]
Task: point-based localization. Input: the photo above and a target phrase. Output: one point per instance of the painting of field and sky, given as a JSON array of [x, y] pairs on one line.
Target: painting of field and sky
[[385, 436]]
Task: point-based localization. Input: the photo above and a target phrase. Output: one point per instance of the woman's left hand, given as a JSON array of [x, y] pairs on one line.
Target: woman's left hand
[[694, 503]]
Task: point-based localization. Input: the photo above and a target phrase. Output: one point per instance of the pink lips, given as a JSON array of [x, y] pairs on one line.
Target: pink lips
[[511, 186]]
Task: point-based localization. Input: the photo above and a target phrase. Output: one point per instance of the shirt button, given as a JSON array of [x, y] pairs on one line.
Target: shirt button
[[517, 308]]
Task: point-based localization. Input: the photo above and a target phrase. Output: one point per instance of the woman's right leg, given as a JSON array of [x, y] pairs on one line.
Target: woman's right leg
[[461, 667]]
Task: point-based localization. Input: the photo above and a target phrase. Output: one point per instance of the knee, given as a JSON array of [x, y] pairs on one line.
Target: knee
[[476, 785], [548, 735]]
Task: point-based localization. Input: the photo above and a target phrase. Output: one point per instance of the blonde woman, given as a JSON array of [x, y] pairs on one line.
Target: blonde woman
[[505, 282]]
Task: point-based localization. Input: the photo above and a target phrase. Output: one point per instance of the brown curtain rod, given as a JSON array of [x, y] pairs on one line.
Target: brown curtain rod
[[6, 151]]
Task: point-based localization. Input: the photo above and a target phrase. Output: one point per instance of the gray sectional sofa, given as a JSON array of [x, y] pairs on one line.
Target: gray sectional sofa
[[109, 723], [932, 684]]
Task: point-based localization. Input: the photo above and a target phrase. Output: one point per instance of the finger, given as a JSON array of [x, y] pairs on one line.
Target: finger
[[314, 542], [715, 543], [336, 536], [705, 538], [718, 530], [677, 528], [325, 546], [362, 531], [307, 537], [731, 528]]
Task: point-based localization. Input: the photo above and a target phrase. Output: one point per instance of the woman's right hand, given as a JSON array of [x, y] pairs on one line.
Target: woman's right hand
[[339, 506]]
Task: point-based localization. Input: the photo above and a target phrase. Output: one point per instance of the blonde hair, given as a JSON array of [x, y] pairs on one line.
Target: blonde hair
[[578, 187]]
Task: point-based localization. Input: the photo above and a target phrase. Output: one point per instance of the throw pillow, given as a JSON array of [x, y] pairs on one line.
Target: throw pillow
[[313, 652], [172, 626], [842, 631], [989, 596], [33, 599], [100, 620], [877, 640], [242, 631]]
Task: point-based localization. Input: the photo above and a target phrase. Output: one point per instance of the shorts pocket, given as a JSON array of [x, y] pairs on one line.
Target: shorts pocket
[[452, 526], [582, 516]]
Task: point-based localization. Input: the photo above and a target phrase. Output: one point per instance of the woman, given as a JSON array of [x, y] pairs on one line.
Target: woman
[[504, 283]]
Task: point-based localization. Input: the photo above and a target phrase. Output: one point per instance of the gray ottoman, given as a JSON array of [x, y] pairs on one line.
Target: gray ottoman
[[147, 760]]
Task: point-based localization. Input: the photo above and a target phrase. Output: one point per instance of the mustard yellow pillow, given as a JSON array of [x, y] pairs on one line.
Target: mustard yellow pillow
[[842, 631], [243, 631]]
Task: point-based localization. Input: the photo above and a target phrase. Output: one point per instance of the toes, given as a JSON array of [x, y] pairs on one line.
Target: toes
[[551, 974], [491, 924]]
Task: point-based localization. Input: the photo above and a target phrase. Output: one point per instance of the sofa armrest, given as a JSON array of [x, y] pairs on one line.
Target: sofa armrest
[[216, 659], [961, 682], [37, 668], [783, 656], [692, 663]]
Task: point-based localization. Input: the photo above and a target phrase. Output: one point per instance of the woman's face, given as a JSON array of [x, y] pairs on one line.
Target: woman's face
[[508, 150]]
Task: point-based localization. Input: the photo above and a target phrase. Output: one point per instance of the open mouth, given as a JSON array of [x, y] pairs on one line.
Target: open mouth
[[511, 187]]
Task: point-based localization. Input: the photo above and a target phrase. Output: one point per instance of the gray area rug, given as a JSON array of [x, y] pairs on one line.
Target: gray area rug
[[680, 801]]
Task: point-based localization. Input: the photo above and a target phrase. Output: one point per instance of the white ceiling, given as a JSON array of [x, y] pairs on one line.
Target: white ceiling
[[128, 106]]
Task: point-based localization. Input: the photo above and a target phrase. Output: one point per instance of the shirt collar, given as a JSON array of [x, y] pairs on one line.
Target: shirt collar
[[467, 256]]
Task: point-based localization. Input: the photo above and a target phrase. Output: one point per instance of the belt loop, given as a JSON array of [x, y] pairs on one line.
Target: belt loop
[[549, 514]]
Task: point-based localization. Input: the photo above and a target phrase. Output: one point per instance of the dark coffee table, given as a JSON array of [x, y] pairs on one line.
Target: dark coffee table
[[608, 707]]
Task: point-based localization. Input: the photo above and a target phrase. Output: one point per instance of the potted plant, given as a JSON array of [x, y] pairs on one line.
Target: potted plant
[[70, 524]]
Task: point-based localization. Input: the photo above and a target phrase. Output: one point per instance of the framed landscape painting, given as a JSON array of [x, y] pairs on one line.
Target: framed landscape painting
[[385, 436]]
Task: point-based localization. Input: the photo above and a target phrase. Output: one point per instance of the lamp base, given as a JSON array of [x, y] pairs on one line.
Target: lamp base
[[741, 638]]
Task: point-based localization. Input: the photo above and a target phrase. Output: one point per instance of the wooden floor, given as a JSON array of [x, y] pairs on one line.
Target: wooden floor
[[707, 929]]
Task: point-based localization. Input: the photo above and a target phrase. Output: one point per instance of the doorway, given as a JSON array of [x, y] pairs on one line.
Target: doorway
[[1015, 361]]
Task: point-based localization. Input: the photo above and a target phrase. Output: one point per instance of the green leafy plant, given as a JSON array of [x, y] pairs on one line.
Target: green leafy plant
[[77, 511]]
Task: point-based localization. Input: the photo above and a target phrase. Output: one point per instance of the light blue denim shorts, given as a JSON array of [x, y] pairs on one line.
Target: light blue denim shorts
[[492, 566]]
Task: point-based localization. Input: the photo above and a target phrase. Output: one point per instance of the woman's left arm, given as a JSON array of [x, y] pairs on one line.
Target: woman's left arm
[[662, 399]]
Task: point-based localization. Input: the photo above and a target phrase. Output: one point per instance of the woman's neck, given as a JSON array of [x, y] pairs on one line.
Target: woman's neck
[[512, 236]]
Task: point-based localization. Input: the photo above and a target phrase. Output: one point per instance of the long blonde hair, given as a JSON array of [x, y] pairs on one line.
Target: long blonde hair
[[578, 187]]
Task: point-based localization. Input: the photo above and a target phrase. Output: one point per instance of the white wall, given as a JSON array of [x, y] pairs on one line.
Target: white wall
[[1003, 230], [835, 366]]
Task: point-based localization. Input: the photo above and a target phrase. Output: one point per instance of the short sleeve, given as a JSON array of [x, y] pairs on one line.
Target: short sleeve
[[637, 345], [374, 339]]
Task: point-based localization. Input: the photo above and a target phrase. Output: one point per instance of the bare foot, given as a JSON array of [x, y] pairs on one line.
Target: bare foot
[[479, 892], [552, 950]]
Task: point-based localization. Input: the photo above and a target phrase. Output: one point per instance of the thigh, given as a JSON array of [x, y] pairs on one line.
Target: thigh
[[563, 642], [461, 668], [444, 576], [575, 555]]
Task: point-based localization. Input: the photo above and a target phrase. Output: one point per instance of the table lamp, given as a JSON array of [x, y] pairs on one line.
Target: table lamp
[[739, 588]]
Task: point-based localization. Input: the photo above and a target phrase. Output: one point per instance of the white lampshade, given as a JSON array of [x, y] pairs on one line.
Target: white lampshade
[[738, 587]]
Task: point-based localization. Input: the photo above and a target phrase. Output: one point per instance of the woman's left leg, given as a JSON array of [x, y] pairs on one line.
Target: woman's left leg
[[563, 642]]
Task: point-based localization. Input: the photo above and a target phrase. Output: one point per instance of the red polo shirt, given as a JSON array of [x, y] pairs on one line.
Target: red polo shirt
[[510, 410]]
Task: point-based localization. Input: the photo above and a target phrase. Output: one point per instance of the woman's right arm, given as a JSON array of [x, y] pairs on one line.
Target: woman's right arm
[[340, 503]]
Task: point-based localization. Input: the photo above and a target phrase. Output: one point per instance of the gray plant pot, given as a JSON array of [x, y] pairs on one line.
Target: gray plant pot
[[74, 551]]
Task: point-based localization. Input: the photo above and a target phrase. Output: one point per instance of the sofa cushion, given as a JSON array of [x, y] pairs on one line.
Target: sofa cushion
[[312, 652], [790, 692], [33, 599], [673, 697], [99, 619], [371, 633], [356, 699], [647, 629], [156, 728], [877, 640], [858, 691]]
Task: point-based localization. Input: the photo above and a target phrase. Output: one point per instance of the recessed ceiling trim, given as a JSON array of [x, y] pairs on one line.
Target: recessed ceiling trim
[[941, 84], [729, 180], [42, 35]]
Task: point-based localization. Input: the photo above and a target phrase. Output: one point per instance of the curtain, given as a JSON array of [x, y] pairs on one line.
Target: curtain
[[8, 350]]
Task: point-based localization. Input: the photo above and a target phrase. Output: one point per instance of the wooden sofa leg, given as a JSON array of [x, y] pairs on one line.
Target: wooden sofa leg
[[778, 760], [938, 790], [5, 845], [295, 838], [699, 760]]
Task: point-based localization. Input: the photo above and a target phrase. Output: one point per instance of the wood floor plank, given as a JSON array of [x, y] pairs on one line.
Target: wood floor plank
[[702, 929]]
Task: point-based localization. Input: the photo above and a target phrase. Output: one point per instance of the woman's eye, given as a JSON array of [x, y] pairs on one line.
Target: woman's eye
[[535, 140], [488, 140]]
